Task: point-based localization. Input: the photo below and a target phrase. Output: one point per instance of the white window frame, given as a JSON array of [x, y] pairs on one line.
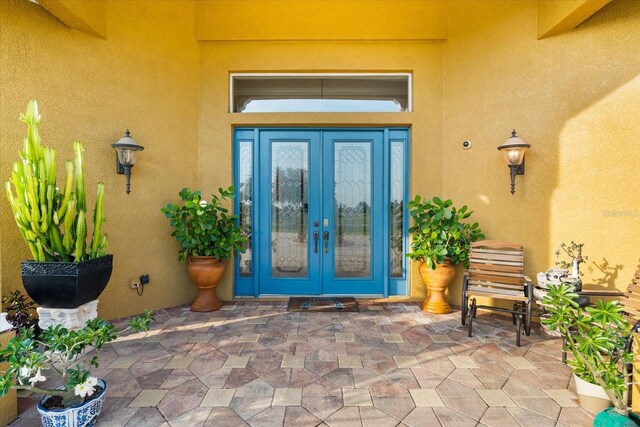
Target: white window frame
[[409, 77]]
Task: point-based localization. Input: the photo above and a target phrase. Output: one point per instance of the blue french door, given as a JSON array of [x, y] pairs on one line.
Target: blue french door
[[352, 212], [289, 212], [320, 215]]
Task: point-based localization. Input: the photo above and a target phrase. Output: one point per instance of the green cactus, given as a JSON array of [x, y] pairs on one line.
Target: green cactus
[[98, 220], [53, 222]]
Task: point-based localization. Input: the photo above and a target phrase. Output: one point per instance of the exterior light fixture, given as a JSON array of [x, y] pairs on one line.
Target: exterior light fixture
[[126, 149], [513, 150]]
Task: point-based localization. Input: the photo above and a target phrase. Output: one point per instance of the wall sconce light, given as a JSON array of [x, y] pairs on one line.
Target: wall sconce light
[[513, 150], [126, 149]]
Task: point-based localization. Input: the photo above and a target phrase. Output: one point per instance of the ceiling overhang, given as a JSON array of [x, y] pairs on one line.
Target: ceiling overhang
[[87, 16], [559, 16]]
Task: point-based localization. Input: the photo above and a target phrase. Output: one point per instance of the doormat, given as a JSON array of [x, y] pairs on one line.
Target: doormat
[[323, 304]]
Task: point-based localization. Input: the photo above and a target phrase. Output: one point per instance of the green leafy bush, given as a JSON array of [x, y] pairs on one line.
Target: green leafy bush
[[597, 337], [58, 352], [439, 233], [205, 229]]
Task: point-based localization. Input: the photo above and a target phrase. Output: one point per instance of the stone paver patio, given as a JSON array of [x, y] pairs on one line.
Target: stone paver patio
[[388, 365]]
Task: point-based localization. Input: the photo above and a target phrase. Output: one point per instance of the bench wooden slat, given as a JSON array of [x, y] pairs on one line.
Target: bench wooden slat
[[496, 251], [496, 267], [497, 285], [497, 279], [498, 257], [495, 290], [632, 295], [634, 316], [629, 302], [495, 262], [495, 244], [633, 289], [490, 271], [496, 295]]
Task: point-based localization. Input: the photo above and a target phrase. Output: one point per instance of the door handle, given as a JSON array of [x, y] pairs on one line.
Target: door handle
[[316, 236], [325, 237]]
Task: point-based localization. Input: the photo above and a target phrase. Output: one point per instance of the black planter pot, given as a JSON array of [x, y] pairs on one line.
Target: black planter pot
[[66, 284]]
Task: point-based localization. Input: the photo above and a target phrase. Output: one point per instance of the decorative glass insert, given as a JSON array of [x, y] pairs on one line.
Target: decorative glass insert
[[273, 93], [289, 209], [352, 209], [397, 209], [245, 187]]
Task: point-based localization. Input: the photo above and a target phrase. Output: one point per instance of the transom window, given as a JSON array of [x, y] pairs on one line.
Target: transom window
[[339, 92]]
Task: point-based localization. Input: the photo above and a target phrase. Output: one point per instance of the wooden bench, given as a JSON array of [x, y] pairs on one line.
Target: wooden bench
[[496, 270]]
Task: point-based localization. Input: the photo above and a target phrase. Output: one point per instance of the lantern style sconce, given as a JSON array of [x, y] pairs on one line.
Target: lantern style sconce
[[513, 150], [126, 149]]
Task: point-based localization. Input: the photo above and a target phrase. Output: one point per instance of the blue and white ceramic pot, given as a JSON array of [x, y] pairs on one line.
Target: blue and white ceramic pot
[[84, 415]]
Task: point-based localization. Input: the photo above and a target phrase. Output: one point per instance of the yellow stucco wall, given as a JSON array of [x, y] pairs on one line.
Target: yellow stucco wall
[[145, 76], [574, 97], [251, 20]]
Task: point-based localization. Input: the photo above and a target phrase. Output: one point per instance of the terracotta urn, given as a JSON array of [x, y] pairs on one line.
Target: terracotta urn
[[437, 282], [205, 273]]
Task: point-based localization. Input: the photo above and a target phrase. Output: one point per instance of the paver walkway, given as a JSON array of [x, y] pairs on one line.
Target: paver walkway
[[388, 365]]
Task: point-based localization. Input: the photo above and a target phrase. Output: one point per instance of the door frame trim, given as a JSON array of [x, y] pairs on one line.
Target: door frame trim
[[250, 286]]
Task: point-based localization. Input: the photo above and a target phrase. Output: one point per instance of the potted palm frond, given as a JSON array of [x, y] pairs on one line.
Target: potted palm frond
[[440, 239], [208, 235], [599, 338], [65, 272]]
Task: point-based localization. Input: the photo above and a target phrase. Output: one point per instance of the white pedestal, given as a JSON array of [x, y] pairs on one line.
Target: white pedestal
[[70, 318]]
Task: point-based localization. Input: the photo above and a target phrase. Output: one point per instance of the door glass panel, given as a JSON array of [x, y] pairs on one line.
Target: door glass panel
[[245, 202], [289, 209], [352, 209], [396, 206]]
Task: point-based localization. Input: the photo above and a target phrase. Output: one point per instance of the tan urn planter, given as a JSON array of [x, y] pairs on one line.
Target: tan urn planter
[[437, 281], [205, 273]]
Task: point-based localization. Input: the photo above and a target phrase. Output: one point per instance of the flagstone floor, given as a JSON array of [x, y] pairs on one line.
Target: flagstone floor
[[388, 365]]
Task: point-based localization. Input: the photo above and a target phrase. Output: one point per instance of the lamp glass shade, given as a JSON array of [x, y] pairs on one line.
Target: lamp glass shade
[[513, 149], [126, 156], [514, 156], [126, 148]]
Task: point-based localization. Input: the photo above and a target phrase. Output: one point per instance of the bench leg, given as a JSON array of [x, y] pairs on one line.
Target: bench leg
[[464, 306], [471, 315], [518, 328], [527, 319]]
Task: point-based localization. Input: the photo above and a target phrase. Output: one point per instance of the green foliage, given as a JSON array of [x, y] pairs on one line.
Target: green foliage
[[59, 352], [205, 229], [439, 233], [596, 336], [52, 222], [21, 311], [574, 251]]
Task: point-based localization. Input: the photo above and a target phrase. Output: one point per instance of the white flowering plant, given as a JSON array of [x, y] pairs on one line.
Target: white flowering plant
[[59, 361]]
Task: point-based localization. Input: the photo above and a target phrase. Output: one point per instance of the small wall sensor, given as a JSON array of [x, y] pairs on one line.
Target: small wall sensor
[[466, 144]]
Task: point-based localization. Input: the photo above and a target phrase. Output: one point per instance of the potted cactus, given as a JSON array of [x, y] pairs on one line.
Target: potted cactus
[[65, 272]]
